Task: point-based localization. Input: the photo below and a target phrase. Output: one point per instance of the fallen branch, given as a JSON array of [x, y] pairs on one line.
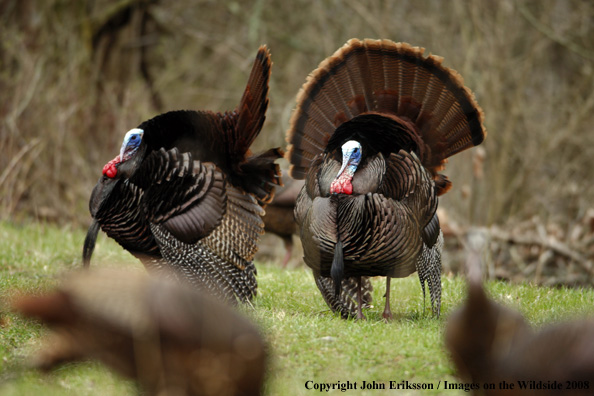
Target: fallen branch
[[548, 245]]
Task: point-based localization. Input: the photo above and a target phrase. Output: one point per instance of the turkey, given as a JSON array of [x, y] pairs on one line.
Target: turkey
[[171, 338], [186, 193], [490, 343], [373, 125], [279, 218]]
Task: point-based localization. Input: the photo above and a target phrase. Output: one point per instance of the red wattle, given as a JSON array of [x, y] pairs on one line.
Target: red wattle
[[347, 188], [110, 170], [341, 186]]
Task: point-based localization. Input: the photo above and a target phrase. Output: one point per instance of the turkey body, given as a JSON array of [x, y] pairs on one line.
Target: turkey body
[[170, 338], [186, 195], [373, 126], [490, 343], [280, 218], [376, 228]]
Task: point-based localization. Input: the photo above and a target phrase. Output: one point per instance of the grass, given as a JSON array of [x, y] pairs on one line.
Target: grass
[[307, 342]]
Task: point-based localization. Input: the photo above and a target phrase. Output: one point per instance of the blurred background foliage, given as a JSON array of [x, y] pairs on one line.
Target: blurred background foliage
[[75, 75]]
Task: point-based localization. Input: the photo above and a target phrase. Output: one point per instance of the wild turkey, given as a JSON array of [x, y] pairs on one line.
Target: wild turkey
[[373, 125], [490, 343], [279, 218], [185, 192], [171, 338]]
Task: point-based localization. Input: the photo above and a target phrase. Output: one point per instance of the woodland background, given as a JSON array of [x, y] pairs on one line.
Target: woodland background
[[76, 75]]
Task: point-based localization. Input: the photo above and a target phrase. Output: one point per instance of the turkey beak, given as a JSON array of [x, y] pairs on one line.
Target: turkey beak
[[127, 152]]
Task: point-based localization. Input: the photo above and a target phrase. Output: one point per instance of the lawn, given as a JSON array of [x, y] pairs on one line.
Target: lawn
[[309, 345]]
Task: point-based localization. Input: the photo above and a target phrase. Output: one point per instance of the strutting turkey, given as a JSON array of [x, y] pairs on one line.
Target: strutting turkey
[[173, 339], [373, 125], [185, 193], [490, 343]]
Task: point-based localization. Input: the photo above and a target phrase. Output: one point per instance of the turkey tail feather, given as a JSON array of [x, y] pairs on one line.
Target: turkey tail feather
[[260, 175], [251, 111], [256, 174], [394, 80]]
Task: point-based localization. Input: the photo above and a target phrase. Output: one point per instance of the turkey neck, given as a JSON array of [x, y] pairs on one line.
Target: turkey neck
[[343, 183], [351, 157]]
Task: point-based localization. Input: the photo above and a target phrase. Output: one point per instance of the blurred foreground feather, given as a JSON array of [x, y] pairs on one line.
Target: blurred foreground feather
[[490, 343], [170, 338]]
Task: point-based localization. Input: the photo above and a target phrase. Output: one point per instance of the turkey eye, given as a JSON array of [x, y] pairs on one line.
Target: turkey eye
[[356, 149], [133, 137]]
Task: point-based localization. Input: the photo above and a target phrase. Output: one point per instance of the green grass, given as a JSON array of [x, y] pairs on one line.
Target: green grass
[[306, 341], [32, 257]]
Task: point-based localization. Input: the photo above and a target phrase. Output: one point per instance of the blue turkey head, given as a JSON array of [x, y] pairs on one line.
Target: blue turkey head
[[351, 156], [131, 143]]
